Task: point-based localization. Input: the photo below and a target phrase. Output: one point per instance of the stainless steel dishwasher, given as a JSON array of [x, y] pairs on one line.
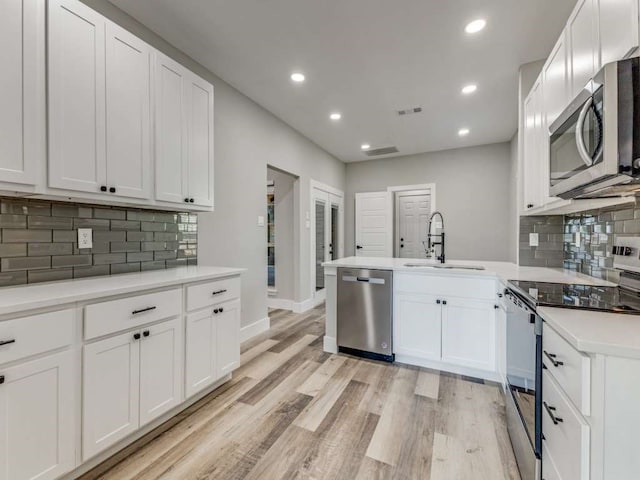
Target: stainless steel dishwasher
[[365, 313]]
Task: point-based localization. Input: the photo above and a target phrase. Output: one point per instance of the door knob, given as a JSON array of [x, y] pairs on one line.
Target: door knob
[[358, 247], [401, 246]]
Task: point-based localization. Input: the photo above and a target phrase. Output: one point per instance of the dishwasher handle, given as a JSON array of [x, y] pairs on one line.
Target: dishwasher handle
[[377, 281]]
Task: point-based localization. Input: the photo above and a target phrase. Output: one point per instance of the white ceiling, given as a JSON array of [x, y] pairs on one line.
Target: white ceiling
[[367, 59]]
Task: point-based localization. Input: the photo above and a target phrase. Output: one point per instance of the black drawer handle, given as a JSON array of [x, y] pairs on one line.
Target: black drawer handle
[[148, 309], [444, 302], [112, 190], [438, 302], [218, 292], [552, 359], [221, 309], [146, 333], [550, 410], [216, 311], [1, 379], [7, 342], [136, 336]]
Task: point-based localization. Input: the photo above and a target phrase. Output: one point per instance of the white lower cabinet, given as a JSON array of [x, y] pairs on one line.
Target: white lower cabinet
[[212, 345], [37, 418], [417, 326], [129, 380]]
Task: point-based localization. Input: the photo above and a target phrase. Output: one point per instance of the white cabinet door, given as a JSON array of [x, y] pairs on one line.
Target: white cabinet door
[[37, 419], [555, 77], [22, 60], [618, 29], [171, 144], [532, 177], [111, 392], [200, 144], [76, 97], [200, 352], [227, 337], [160, 369], [468, 334], [583, 45], [128, 114], [417, 326]]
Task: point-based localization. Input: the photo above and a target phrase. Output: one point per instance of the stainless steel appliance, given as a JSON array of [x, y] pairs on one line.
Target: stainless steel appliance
[[595, 142], [365, 311], [524, 383]]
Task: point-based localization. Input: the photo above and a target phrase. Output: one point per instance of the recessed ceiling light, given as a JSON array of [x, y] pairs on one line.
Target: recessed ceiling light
[[335, 116], [475, 26], [365, 146], [468, 89], [463, 132], [297, 77]]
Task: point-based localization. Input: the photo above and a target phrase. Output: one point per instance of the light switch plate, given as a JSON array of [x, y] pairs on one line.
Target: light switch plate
[[85, 238], [533, 240], [261, 221]]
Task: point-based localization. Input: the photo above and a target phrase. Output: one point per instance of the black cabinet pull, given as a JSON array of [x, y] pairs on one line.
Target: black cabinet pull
[[216, 311], [500, 295], [103, 188], [444, 302], [550, 410], [112, 190], [218, 292], [358, 247], [146, 333], [148, 309], [191, 200], [221, 309], [496, 307], [1, 379], [552, 358], [136, 336], [186, 200], [438, 302], [530, 205], [7, 342]]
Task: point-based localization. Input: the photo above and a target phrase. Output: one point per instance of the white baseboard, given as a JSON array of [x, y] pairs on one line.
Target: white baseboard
[[280, 303], [256, 328], [330, 344], [446, 367], [301, 307]]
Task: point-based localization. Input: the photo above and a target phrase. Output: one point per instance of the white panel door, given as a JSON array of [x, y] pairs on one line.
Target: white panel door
[[76, 97], [111, 392], [583, 45], [413, 222], [417, 326], [468, 334], [200, 144], [160, 369], [374, 227], [170, 131], [228, 337], [200, 354], [128, 113], [21, 37], [555, 77], [37, 419], [618, 23]]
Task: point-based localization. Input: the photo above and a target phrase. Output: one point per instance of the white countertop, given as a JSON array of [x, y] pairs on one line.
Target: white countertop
[[44, 295], [616, 334], [502, 270]]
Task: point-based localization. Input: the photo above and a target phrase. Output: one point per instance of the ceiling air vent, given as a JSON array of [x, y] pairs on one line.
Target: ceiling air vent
[[410, 111], [380, 151]]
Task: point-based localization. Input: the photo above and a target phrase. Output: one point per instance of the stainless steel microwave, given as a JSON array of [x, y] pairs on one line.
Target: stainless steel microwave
[[595, 143]]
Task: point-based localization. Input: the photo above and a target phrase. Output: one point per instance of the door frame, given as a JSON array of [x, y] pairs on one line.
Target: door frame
[[425, 188], [333, 197]]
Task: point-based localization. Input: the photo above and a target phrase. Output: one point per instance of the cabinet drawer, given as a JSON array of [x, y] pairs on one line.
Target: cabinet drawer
[[571, 369], [446, 286], [567, 439], [212, 293], [36, 334], [117, 315]]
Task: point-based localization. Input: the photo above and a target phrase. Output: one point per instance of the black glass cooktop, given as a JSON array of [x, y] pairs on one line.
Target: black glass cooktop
[[586, 297]]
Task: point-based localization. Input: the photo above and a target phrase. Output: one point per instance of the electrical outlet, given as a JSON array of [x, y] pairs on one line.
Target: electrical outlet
[[85, 238], [261, 221], [533, 240]]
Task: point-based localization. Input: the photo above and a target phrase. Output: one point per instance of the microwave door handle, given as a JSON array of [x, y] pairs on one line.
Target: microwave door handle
[[582, 150]]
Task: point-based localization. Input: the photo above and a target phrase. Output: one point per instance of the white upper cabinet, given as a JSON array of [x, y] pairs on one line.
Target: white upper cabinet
[[555, 76], [618, 29], [583, 40], [76, 97], [21, 90], [532, 148], [184, 135], [128, 113]]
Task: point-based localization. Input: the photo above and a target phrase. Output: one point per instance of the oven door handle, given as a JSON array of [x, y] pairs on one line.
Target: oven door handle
[[582, 118]]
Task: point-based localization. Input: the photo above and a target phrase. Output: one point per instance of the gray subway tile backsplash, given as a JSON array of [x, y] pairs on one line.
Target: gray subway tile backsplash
[[38, 240]]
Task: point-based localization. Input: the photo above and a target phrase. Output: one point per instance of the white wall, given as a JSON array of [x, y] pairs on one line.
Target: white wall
[[514, 205], [472, 192], [247, 138]]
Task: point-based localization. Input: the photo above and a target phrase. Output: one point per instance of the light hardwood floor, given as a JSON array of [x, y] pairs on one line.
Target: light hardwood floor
[[292, 411]]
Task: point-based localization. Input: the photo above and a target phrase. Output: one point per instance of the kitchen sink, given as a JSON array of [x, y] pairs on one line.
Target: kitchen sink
[[443, 266]]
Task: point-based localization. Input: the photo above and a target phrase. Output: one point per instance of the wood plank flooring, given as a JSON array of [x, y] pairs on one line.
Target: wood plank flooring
[[292, 411]]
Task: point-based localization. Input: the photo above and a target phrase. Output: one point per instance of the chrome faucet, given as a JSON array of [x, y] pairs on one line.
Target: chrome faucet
[[440, 236]]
